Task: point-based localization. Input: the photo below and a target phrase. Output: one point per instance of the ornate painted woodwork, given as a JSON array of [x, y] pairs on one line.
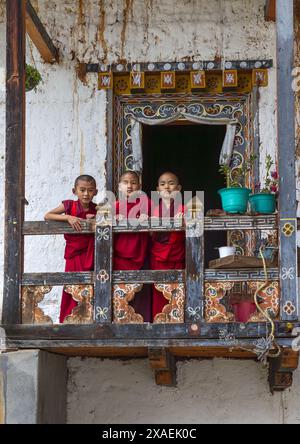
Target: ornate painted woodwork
[[103, 265], [173, 312], [84, 296], [149, 106], [268, 298], [156, 67], [214, 302], [123, 313], [31, 312]]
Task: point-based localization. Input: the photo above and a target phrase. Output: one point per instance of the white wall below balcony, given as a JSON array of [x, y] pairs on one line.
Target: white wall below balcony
[[209, 391]]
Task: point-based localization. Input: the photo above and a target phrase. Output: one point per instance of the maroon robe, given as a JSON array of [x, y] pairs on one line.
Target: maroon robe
[[79, 252], [167, 252], [131, 250]]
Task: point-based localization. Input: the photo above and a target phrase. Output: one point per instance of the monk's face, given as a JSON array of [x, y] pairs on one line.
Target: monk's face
[[129, 185], [168, 185], [85, 191]]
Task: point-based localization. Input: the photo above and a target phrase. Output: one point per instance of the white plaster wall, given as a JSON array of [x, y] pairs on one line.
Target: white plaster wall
[[208, 391]]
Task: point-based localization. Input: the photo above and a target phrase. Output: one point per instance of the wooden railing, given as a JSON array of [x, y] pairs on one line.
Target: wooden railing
[[94, 291]]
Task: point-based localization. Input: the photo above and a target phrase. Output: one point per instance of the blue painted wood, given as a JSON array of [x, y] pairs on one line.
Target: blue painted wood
[[287, 169], [194, 297], [103, 274]]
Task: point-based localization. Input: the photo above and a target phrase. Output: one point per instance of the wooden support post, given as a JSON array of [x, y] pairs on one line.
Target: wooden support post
[[281, 370], [194, 271], [286, 160], [270, 11], [109, 145], [164, 365], [103, 268], [39, 35], [15, 160]]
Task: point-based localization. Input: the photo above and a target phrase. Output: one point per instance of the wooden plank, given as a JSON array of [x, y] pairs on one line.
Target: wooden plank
[[211, 224], [14, 159], [36, 343], [148, 331], [270, 11], [57, 279], [145, 276], [117, 352], [148, 276], [287, 168], [103, 273], [49, 228], [194, 272], [39, 35], [236, 262]]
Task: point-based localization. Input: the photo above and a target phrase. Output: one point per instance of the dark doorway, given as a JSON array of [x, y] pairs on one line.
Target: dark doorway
[[192, 152]]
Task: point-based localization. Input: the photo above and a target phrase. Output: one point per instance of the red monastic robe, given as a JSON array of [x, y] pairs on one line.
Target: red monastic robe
[[79, 252], [167, 252], [131, 250]]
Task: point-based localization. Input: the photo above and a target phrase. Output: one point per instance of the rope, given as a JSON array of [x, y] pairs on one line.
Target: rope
[[271, 337]]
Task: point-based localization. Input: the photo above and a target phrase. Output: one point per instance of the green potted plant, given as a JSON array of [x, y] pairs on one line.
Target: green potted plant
[[235, 197], [33, 78], [263, 200]]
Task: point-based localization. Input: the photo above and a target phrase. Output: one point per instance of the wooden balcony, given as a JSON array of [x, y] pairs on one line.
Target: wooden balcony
[[203, 327]]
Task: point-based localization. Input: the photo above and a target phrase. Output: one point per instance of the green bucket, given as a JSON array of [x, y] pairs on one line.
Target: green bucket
[[264, 203], [234, 200]]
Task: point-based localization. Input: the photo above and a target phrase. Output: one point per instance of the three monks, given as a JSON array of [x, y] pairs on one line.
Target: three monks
[[132, 251]]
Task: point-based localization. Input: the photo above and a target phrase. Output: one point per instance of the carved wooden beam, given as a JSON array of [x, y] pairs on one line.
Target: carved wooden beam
[[281, 370], [164, 365], [14, 159], [270, 11], [39, 35]]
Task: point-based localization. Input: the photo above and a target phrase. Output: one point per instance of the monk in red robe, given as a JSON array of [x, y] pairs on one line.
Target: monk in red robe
[[167, 249], [130, 249], [79, 251]]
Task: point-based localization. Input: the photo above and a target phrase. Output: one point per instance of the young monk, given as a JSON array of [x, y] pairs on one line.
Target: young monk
[[130, 249], [167, 249], [79, 251]]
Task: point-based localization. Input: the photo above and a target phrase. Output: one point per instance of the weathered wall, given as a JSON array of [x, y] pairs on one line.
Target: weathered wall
[[210, 392]]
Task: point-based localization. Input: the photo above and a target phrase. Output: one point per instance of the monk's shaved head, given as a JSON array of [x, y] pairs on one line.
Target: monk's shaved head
[[85, 178], [132, 174]]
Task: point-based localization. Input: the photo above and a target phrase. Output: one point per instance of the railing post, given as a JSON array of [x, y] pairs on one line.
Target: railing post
[[103, 267], [194, 308], [287, 169], [14, 160]]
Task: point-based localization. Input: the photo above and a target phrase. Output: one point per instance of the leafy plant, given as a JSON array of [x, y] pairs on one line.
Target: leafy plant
[[33, 78], [271, 179], [237, 177]]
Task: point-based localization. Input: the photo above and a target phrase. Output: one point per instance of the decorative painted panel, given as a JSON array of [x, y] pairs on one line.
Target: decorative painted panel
[[123, 313], [31, 312], [173, 312]]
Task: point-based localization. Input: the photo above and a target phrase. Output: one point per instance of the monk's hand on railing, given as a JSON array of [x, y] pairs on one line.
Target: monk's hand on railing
[[90, 216], [75, 223]]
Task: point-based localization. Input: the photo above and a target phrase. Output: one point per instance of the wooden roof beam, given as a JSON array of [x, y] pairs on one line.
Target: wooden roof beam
[[270, 11], [39, 36]]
